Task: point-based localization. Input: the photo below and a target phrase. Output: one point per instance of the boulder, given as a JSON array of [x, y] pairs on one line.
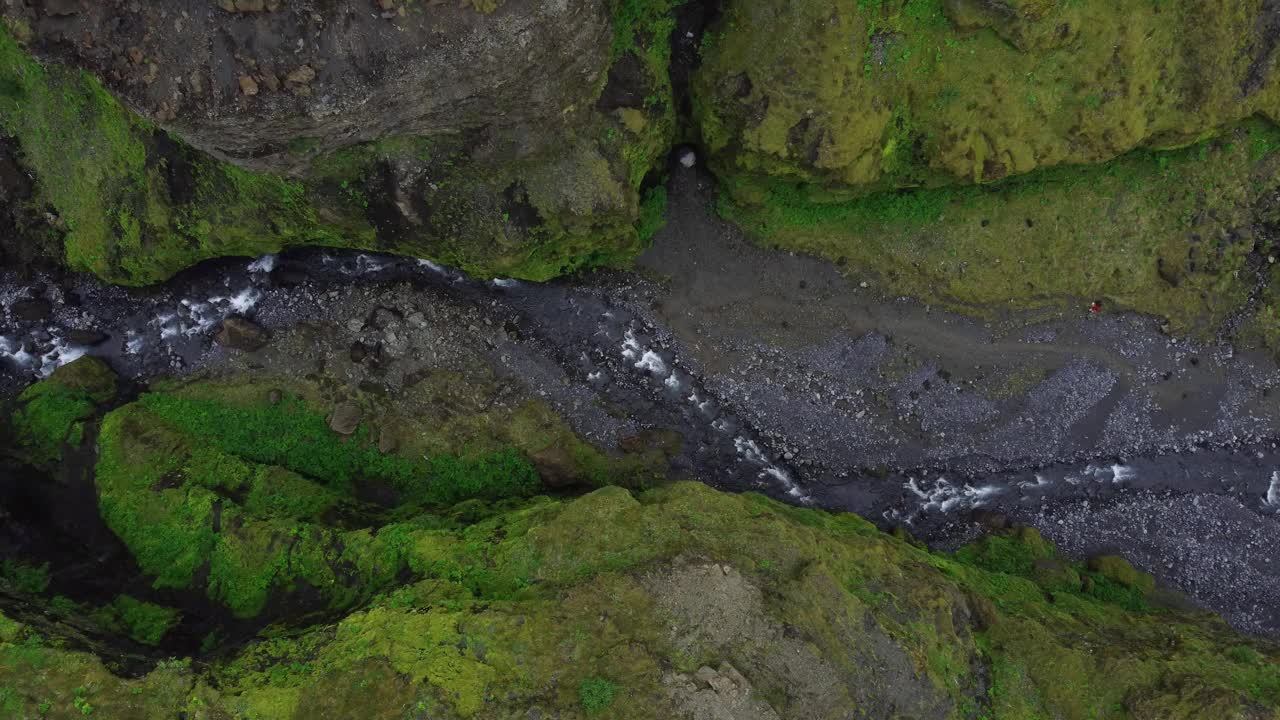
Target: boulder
[[345, 418], [469, 132], [556, 467], [238, 333], [89, 375]]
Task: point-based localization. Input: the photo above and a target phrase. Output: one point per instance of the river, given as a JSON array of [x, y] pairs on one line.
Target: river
[[786, 375]]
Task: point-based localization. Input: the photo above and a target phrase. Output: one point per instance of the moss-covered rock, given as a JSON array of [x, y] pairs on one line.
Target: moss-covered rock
[[891, 94], [1004, 155], [469, 153], [50, 414], [813, 614], [1116, 568]]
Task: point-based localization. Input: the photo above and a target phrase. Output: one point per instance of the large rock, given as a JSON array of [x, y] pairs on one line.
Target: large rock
[[238, 333], [88, 375], [874, 95], [557, 467], [468, 133], [336, 74], [345, 418]]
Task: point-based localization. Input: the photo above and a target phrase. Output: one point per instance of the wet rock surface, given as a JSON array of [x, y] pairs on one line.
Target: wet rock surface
[[235, 333], [776, 373], [250, 80]]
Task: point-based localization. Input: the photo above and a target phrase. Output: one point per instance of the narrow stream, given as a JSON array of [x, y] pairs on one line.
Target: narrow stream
[[785, 377]]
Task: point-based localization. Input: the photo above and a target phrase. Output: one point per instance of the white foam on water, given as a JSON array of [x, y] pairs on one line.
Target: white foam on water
[[368, 264], [243, 301], [749, 450], [630, 346], [592, 377], [13, 350], [433, 267], [1114, 473], [652, 362], [505, 283], [203, 316], [1122, 473], [1040, 482], [134, 344], [784, 478], [264, 264], [167, 324], [673, 381], [61, 354], [947, 497], [1272, 500]]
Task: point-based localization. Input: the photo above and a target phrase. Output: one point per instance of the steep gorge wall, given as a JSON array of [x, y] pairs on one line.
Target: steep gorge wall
[[984, 155], [258, 581], [494, 138]]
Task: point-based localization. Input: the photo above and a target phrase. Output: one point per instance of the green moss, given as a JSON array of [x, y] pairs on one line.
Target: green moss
[[140, 206], [540, 603], [1159, 232], [643, 28], [146, 622], [292, 437], [653, 213], [24, 578], [993, 160], [596, 694], [244, 490], [1119, 570], [50, 413]]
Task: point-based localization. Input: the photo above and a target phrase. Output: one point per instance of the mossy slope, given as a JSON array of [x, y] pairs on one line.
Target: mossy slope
[[556, 596], [895, 94], [993, 156]]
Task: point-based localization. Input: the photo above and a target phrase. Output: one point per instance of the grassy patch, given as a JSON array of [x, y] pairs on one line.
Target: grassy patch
[[290, 436], [252, 493], [146, 622], [596, 694], [1158, 232], [653, 213], [25, 578], [51, 413], [995, 160]]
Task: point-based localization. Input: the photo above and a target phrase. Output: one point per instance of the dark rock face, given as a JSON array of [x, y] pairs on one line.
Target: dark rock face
[[238, 333], [374, 125], [345, 418], [255, 86]]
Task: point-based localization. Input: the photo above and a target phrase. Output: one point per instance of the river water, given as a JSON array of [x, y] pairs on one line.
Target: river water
[[787, 376]]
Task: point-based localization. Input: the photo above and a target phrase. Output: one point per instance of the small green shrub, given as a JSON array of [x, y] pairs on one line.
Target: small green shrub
[[1243, 654], [653, 213], [147, 622], [596, 694], [33, 579]]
